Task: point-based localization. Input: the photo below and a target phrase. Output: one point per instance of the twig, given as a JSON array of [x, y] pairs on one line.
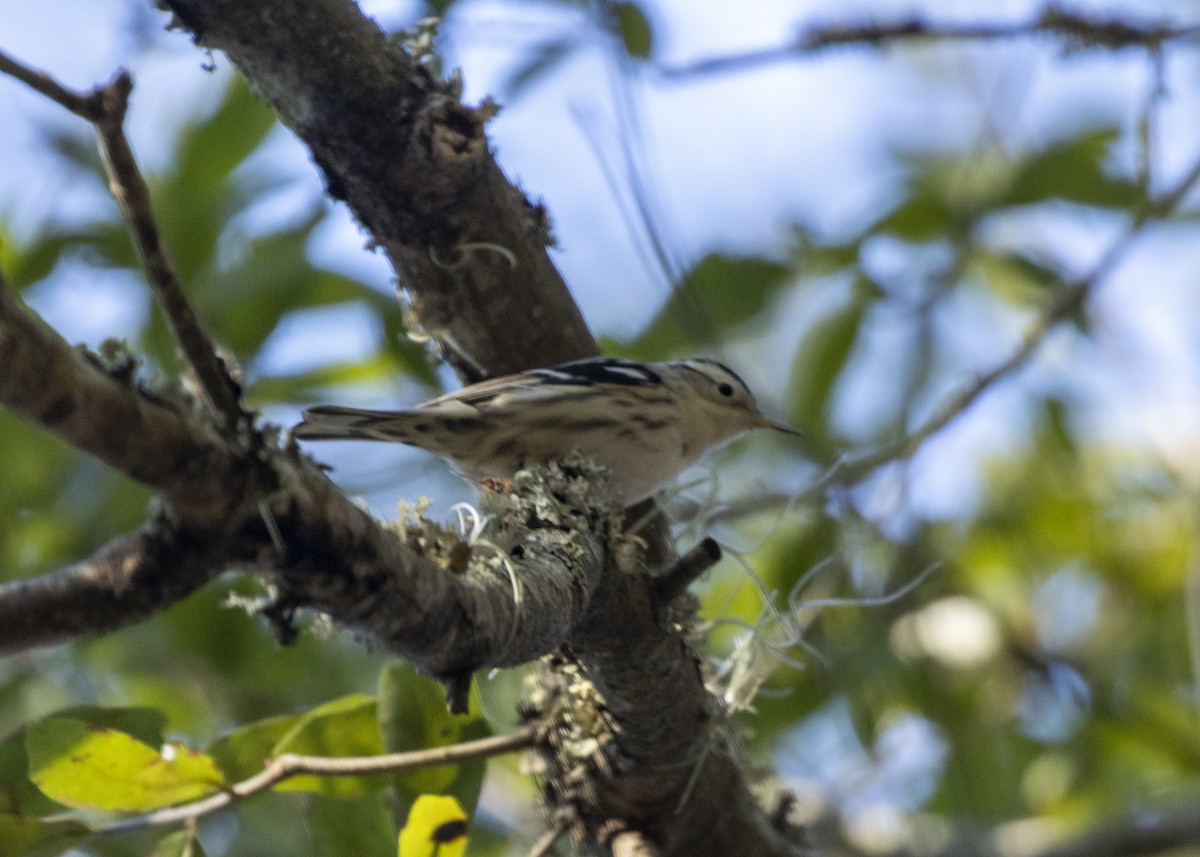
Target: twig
[[1072, 297], [689, 567], [1079, 31], [105, 108], [291, 765], [542, 847], [87, 106]]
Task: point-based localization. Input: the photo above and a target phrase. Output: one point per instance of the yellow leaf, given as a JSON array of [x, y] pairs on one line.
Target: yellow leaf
[[90, 767], [437, 827]]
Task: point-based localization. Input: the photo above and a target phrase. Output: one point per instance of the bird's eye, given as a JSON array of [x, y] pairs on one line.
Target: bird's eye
[[724, 389]]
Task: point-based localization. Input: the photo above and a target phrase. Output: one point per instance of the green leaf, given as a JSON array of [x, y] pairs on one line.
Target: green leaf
[[22, 835], [314, 384], [820, 361], [413, 716], [718, 294], [1072, 170], [342, 727], [193, 202], [923, 216], [276, 265], [144, 724], [90, 767], [246, 750], [634, 29], [182, 843], [1015, 277], [211, 149], [19, 796], [364, 827]]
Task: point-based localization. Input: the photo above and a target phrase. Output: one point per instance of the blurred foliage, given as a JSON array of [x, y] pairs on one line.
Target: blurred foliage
[[1040, 671]]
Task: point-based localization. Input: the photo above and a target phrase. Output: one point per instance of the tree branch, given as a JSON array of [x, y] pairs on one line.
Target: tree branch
[[414, 166], [291, 765], [105, 107], [546, 841], [689, 567], [1078, 31], [130, 579], [341, 562], [86, 106], [97, 408], [336, 557]]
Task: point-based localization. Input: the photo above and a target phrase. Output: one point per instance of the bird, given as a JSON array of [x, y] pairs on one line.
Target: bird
[[645, 422]]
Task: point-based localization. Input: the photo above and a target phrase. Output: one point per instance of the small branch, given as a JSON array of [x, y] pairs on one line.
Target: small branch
[[131, 193], [290, 765], [1078, 31], [131, 578], [1069, 301], [689, 567], [542, 847], [99, 410], [105, 108], [852, 469], [86, 106], [849, 471]]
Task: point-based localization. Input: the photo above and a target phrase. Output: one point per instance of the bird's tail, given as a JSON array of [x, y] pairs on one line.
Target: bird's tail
[[331, 422]]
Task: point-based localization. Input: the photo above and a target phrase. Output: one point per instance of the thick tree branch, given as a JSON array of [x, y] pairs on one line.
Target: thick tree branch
[[340, 561], [98, 409], [337, 558], [130, 579], [414, 166], [675, 776]]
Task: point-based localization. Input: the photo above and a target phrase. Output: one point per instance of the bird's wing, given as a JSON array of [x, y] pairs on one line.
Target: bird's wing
[[582, 373]]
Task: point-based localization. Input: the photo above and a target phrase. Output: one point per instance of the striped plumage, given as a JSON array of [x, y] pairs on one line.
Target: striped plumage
[[644, 421]]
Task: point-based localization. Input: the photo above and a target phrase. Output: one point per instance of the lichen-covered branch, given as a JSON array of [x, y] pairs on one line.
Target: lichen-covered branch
[[443, 604], [92, 403], [414, 166], [130, 579]]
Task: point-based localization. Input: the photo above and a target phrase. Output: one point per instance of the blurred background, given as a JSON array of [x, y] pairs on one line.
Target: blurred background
[[993, 634]]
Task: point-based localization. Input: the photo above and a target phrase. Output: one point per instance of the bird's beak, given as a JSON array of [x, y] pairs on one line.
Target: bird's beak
[[775, 425]]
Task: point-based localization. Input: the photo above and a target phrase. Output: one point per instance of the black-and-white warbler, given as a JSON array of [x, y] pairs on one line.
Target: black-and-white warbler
[[646, 422]]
